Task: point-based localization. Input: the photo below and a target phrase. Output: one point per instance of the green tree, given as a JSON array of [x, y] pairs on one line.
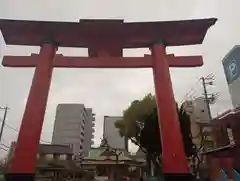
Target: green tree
[[140, 125]]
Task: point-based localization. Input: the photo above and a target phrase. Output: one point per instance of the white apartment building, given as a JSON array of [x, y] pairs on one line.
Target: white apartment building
[[74, 126]]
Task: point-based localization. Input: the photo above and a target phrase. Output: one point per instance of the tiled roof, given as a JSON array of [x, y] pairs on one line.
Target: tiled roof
[[97, 155]]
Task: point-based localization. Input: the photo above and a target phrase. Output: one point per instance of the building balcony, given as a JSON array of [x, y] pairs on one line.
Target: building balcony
[[47, 158], [81, 147], [83, 121], [54, 164], [82, 127], [81, 138]]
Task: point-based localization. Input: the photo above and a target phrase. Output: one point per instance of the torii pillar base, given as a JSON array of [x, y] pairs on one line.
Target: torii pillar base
[[19, 177], [179, 177], [23, 159]]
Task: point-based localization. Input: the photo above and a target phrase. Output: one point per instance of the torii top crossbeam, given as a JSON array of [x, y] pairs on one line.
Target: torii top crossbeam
[[105, 33]]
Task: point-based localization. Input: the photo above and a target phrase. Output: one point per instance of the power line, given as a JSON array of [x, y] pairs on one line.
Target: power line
[[193, 88], [16, 130], [5, 145], [3, 121], [3, 149], [12, 128], [191, 91], [210, 98]]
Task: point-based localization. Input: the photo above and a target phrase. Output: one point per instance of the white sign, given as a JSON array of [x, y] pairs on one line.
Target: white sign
[[233, 69]]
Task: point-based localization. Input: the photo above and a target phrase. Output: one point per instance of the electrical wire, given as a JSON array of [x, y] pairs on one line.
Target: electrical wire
[[14, 129], [191, 91], [5, 145], [3, 149]]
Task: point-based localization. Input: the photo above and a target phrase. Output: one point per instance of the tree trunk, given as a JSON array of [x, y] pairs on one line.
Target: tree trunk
[[149, 166]]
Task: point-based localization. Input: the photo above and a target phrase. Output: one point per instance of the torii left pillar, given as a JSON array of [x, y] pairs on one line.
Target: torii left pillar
[[23, 161]]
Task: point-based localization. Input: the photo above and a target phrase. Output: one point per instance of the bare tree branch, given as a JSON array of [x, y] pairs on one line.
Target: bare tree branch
[[139, 145]]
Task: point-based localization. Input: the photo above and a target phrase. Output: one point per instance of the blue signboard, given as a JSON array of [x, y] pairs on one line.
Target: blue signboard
[[231, 64]]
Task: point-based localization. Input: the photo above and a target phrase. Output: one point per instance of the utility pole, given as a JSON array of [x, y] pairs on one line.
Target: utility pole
[[212, 97], [206, 98], [3, 121]]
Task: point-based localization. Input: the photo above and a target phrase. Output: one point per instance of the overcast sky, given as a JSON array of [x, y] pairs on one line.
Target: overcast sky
[[107, 91]]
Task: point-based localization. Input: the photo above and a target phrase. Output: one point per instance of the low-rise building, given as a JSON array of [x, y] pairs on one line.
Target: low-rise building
[[47, 153], [53, 161]]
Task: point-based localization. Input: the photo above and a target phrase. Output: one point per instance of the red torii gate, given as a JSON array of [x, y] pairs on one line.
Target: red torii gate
[[105, 40]]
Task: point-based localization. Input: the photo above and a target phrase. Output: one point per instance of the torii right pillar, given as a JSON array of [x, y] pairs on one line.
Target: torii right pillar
[[175, 165]]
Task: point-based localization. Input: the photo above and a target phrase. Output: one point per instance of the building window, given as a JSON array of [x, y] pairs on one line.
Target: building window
[[230, 135], [222, 131], [56, 156], [42, 157], [69, 157]]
